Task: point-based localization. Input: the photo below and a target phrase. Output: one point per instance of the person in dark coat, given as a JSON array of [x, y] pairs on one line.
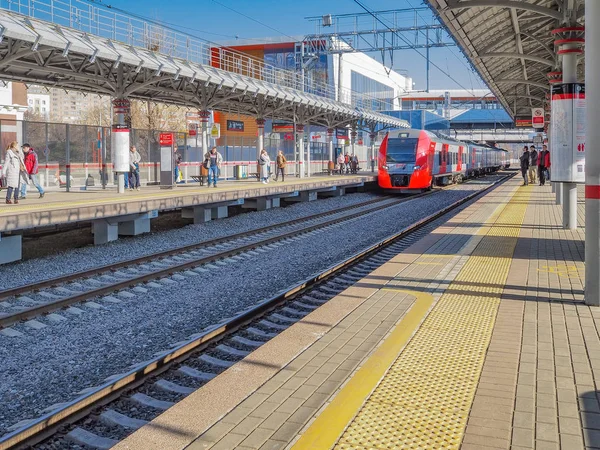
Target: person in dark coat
[[525, 165], [544, 158]]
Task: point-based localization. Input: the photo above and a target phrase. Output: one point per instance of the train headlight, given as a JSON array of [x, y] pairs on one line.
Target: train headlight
[[385, 167], [417, 168]]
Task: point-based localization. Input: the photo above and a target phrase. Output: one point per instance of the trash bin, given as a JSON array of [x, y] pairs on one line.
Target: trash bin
[[240, 172]]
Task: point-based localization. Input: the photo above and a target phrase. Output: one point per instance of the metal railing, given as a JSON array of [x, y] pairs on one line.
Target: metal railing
[[153, 36], [83, 151]]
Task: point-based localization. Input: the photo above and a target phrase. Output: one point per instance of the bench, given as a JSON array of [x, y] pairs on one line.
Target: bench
[[199, 179]]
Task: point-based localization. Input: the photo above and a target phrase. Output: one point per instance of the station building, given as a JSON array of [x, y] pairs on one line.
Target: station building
[[349, 77], [13, 104]]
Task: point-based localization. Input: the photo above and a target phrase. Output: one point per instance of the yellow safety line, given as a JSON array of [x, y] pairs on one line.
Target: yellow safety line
[[424, 399], [327, 427]]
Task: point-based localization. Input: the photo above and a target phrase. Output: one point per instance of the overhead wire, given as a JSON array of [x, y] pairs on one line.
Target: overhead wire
[[370, 12]]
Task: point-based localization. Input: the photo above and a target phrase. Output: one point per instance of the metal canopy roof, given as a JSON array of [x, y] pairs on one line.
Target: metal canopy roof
[[510, 44], [40, 52]]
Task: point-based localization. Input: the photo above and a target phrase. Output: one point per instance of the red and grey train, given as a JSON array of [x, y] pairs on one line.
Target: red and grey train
[[418, 160]]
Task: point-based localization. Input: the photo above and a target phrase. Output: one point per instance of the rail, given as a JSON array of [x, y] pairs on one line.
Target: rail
[[68, 413]]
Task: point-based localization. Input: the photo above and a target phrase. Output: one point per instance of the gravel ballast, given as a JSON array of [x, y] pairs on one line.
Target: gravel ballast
[[75, 260], [50, 365]]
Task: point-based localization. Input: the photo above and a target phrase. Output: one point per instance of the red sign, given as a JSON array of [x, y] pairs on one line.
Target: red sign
[[192, 132], [166, 139]]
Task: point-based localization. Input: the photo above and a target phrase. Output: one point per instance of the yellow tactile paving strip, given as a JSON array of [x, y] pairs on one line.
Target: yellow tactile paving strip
[[425, 398]]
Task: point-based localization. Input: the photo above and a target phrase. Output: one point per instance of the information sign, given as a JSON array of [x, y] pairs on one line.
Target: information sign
[[166, 139], [235, 125], [568, 133], [215, 130], [537, 117], [282, 127]]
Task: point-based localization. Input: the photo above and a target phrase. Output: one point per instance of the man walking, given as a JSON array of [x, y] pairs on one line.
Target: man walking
[[525, 165], [533, 163], [544, 158], [31, 165], [280, 161]]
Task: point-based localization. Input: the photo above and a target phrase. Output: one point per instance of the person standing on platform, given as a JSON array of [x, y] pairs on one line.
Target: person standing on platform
[[533, 163], [340, 161], [281, 161], [214, 160], [177, 158], [524, 159], [347, 162], [263, 163], [134, 168], [12, 170], [31, 166], [543, 157]]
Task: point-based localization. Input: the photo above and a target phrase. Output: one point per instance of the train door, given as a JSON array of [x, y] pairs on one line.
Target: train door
[[461, 149], [431, 158], [444, 159]]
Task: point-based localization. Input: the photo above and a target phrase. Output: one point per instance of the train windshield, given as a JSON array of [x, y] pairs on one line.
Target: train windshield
[[402, 150]]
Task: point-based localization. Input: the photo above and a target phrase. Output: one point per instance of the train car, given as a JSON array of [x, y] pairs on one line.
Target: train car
[[417, 160]]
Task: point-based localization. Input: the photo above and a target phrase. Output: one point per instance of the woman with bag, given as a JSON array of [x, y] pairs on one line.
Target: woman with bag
[[264, 161], [12, 170]]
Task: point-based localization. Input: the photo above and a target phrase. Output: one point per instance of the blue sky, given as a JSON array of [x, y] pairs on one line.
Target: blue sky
[[213, 20]]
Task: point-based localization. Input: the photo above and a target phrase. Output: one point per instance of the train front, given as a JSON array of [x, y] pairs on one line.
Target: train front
[[403, 161]]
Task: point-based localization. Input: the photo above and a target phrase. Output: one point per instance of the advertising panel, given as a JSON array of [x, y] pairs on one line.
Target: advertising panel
[[235, 125], [568, 133]]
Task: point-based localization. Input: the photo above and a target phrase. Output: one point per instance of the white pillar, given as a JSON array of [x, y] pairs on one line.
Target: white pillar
[[121, 124], [592, 163], [372, 136], [260, 123], [308, 141], [204, 116], [330, 143], [300, 132], [569, 190]]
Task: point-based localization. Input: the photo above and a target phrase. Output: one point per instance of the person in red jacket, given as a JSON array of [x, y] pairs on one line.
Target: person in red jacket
[[31, 165], [544, 165]]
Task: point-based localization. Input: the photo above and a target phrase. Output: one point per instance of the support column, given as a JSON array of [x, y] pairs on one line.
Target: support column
[[309, 143], [569, 205], [592, 163], [204, 116], [120, 140], [330, 143], [353, 141], [260, 123], [570, 49], [372, 136], [300, 133]]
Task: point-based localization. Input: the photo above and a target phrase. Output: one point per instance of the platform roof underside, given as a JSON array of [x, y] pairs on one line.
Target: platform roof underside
[[510, 44]]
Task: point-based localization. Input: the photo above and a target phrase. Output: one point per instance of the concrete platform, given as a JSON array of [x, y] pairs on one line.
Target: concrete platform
[[475, 337], [113, 214]]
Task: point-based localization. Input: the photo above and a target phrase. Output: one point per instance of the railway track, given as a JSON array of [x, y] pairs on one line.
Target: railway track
[[33, 300], [129, 400]]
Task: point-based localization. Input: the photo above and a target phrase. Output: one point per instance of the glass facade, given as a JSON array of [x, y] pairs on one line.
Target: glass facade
[[437, 103], [378, 93], [316, 73]]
